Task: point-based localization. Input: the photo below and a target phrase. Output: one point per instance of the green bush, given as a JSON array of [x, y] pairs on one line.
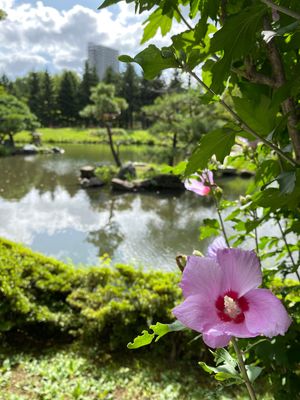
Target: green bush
[[5, 151], [106, 172], [109, 306], [104, 304]]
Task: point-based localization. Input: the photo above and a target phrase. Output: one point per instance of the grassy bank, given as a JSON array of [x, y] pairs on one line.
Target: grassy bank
[[87, 374], [77, 135]]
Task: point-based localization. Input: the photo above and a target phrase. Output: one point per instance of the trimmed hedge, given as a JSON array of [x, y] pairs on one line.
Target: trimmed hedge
[[112, 304]]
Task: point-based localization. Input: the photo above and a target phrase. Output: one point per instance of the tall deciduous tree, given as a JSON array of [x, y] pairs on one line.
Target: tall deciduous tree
[[105, 108]]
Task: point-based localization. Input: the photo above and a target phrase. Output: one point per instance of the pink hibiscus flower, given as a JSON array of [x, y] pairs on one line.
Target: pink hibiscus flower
[[222, 298], [202, 187]]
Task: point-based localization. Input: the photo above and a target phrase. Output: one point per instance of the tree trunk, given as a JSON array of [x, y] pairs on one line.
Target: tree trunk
[[174, 148], [11, 140], [112, 147]]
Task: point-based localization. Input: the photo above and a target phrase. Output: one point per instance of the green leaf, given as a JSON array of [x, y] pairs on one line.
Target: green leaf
[[162, 329], [236, 39], [153, 61], [259, 112], [159, 330], [270, 197], [253, 372], [222, 355], [155, 21], [142, 340], [218, 143], [125, 58], [210, 227], [222, 372], [287, 181], [108, 3]]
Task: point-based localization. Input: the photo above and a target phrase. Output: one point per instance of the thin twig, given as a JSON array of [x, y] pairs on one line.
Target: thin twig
[[288, 250], [220, 217], [183, 19], [281, 9], [243, 369]]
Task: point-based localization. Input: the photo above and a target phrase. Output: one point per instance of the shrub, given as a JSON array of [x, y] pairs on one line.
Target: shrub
[[104, 304], [106, 172]]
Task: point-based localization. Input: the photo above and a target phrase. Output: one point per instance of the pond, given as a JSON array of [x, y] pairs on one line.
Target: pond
[[43, 206]]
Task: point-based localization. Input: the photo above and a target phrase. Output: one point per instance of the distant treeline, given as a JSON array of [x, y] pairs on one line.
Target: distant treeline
[[57, 99]]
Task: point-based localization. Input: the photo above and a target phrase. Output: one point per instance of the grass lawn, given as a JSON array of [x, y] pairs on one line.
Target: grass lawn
[[78, 373], [77, 135]]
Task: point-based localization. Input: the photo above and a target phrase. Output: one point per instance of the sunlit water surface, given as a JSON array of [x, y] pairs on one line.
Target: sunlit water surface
[[43, 206]]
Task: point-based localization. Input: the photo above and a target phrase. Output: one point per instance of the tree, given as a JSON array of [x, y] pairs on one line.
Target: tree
[[89, 80], [114, 78], [15, 116], [105, 108], [175, 84], [184, 116], [34, 89], [67, 99], [48, 106], [6, 83], [130, 91]]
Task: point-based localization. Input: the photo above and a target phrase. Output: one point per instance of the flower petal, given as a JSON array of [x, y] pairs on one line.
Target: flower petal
[[214, 339], [266, 315], [218, 244], [241, 270], [208, 176], [197, 187], [196, 313], [201, 276]]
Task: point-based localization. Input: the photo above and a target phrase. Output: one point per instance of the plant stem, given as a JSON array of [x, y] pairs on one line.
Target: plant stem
[[220, 217], [243, 369], [288, 250], [240, 122]]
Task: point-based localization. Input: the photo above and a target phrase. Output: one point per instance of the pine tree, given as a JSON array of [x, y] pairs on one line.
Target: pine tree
[[112, 78], [130, 91], [89, 80], [34, 93], [176, 85], [67, 99], [6, 83], [150, 90], [48, 111]]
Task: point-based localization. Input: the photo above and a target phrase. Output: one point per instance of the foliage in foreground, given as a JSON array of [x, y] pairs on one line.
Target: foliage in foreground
[[45, 299], [86, 374]]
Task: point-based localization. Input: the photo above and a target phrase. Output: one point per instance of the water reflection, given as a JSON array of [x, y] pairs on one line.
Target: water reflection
[[42, 206]]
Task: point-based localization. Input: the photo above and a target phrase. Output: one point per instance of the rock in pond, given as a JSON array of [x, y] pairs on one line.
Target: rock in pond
[[87, 172], [122, 185], [91, 183], [127, 171]]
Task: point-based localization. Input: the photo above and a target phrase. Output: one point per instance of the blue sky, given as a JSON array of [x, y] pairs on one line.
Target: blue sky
[[65, 4]]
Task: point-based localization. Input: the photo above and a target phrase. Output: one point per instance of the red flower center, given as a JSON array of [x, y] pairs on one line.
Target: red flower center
[[231, 308]]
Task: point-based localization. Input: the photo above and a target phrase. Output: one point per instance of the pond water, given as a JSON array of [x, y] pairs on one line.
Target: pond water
[[43, 206]]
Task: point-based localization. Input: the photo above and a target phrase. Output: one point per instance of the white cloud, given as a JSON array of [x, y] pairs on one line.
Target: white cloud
[[36, 37]]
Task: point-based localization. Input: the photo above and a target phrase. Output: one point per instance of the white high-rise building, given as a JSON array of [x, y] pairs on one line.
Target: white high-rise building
[[101, 57]]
